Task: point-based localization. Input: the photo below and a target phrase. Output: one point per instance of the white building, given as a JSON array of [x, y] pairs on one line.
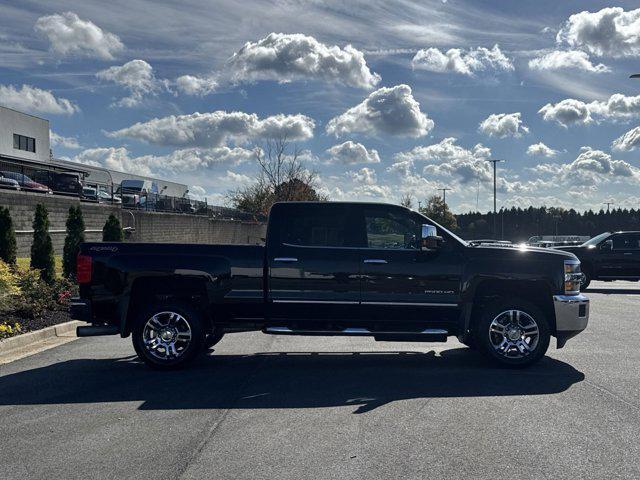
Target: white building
[[23, 136]]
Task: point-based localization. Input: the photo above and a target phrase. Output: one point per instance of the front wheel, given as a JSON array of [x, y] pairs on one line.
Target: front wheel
[[513, 333], [168, 336]]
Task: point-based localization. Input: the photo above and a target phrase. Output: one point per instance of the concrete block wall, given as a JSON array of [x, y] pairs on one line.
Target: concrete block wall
[[151, 227]]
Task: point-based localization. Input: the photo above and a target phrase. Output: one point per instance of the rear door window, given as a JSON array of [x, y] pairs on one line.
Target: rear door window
[[315, 226]]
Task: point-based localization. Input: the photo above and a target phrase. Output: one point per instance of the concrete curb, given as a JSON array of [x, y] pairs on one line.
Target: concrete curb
[[67, 329]]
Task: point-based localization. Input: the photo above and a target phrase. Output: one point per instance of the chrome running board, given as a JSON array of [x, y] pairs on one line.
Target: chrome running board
[[356, 331]]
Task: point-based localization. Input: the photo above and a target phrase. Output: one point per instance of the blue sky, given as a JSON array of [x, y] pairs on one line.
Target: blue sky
[[385, 98]]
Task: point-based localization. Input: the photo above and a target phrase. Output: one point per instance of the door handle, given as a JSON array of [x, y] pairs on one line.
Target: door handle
[[285, 259], [628, 253], [375, 261]]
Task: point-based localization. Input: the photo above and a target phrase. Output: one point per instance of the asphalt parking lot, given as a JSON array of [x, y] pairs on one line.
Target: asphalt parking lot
[[266, 407]]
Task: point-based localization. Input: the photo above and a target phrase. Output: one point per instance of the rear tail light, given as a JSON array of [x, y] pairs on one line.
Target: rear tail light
[[83, 269]]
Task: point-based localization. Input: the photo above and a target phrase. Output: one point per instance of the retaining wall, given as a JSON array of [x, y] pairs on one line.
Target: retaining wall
[[152, 227]]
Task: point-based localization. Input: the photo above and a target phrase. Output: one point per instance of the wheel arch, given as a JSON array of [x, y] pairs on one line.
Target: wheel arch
[[488, 290], [191, 290]]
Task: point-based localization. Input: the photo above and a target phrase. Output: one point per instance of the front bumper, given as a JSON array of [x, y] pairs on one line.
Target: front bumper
[[572, 316]]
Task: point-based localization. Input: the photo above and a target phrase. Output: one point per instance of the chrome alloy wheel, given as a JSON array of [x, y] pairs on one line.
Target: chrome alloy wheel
[[514, 334], [166, 335]]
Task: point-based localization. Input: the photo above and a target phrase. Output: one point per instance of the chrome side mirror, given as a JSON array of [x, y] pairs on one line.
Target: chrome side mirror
[[430, 239]]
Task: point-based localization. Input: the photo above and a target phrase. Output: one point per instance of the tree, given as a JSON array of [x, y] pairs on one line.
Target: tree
[[112, 231], [75, 236], [42, 247], [407, 201], [282, 178], [8, 246], [439, 212]]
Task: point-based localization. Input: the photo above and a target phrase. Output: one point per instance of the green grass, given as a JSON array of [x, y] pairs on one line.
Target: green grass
[[23, 264]]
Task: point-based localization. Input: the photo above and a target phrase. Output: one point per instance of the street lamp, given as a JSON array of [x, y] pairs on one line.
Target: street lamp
[[494, 161], [444, 194]]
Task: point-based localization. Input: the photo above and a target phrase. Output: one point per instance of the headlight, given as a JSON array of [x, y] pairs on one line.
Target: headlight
[[572, 277]]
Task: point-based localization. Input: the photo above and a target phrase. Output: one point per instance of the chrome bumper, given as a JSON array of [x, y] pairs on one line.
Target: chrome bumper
[[572, 316]]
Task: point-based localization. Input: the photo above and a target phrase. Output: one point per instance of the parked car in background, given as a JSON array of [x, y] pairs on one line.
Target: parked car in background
[[90, 194], [608, 256], [138, 193], [27, 183], [334, 269], [60, 182], [9, 183], [105, 197]]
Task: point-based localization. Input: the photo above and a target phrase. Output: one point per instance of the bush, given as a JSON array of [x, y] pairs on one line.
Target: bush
[[42, 248], [112, 231], [8, 246], [9, 329], [75, 236]]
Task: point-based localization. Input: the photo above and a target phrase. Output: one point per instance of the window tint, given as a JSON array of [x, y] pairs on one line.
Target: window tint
[[393, 230], [626, 242], [314, 227]]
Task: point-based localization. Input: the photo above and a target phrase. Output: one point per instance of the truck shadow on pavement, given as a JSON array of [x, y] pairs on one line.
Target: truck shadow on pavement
[[364, 380]]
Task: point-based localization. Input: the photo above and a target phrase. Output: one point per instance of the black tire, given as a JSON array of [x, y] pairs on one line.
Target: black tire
[[185, 351], [586, 279], [213, 338], [512, 357]]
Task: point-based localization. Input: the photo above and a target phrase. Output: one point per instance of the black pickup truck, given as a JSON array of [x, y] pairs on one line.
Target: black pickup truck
[[608, 256], [359, 269]]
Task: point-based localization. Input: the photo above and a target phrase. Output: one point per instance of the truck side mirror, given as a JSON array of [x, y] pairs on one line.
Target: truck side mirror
[[606, 246], [430, 239]]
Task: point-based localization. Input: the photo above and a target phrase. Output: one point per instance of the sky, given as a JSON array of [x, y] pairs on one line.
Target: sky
[[383, 98]]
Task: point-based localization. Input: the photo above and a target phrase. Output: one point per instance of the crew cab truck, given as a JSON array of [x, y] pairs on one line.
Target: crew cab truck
[[608, 256], [359, 269]]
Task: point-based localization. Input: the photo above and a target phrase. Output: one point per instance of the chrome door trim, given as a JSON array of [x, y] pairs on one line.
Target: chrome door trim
[[413, 304], [336, 302], [375, 261], [285, 259]]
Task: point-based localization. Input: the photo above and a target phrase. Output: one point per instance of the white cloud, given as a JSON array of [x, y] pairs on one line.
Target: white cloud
[[446, 160], [591, 168], [215, 128], [389, 110], [349, 153], [608, 32], [66, 142], [113, 158], [571, 111], [570, 59], [136, 76], [182, 160], [35, 100], [541, 150], [567, 112], [287, 57], [460, 61], [196, 86], [628, 142], [68, 34], [503, 125]]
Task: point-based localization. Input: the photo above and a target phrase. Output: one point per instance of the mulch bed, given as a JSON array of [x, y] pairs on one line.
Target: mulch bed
[[49, 318]]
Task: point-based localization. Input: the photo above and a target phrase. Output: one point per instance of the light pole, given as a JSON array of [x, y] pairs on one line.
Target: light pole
[[608, 204], [444, 194], [494, 161]]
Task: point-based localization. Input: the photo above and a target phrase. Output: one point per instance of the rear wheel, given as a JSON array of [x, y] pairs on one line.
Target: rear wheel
[[168, 336], [513, 333]]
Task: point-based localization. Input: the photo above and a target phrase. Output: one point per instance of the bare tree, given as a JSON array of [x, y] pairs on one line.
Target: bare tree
[[407, 201], [282, 177]]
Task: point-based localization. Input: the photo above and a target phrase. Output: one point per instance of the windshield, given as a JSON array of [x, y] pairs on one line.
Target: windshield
[[596, 240]]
